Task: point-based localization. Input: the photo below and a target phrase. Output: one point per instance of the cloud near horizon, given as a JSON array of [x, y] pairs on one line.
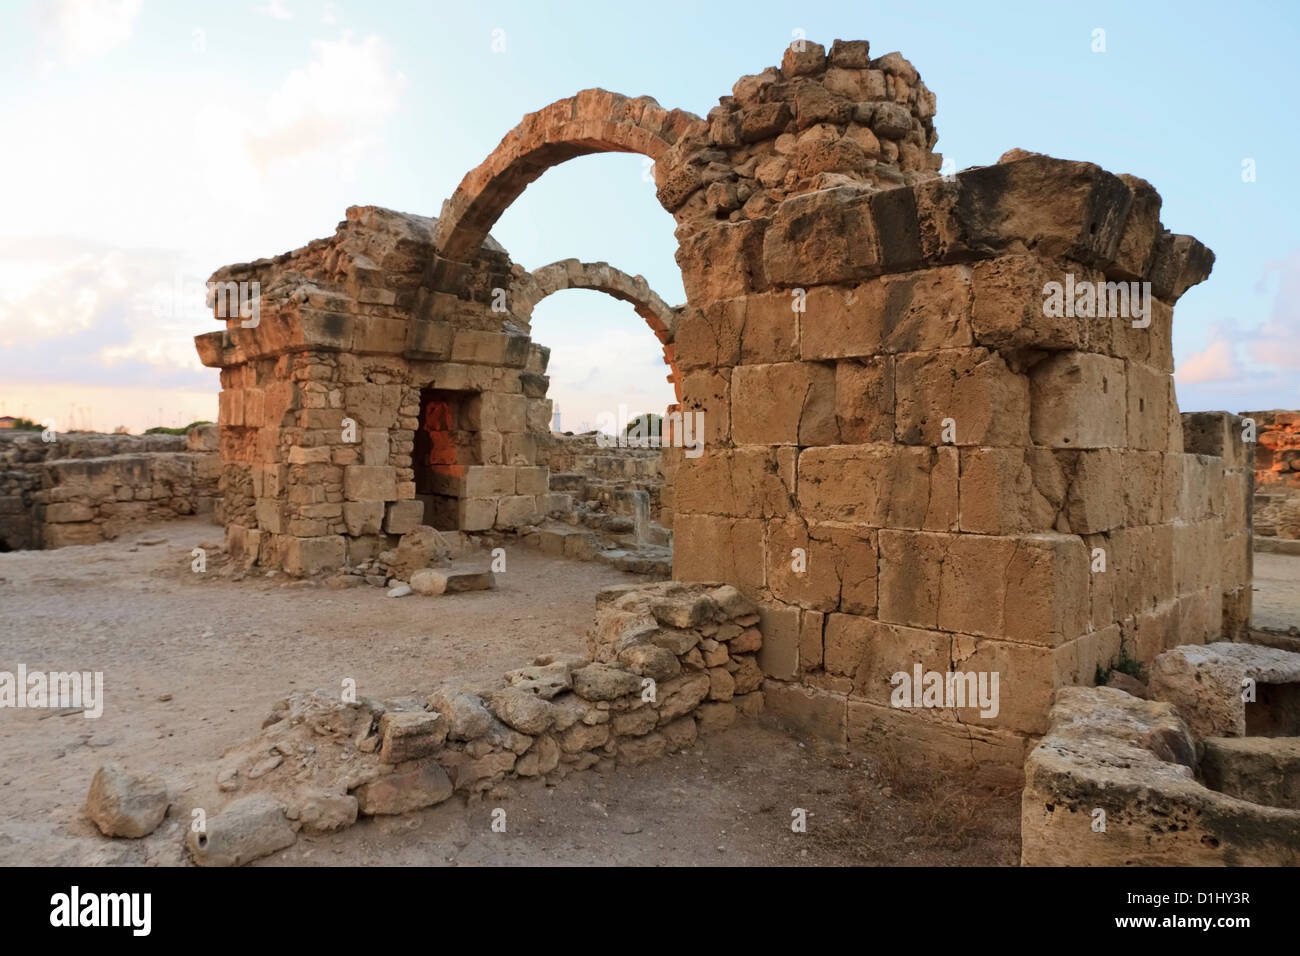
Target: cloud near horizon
[[1271, 349]]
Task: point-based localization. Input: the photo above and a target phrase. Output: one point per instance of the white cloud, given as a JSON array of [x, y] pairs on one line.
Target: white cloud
[[100, 307], [1277, 341], [52, 292], [82, 30], [1217, 363], [335, 106], [276, 10], [1272, 348]]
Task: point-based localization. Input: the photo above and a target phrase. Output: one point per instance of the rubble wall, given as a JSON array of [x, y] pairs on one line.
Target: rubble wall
[[1277, 474], [83, 488]]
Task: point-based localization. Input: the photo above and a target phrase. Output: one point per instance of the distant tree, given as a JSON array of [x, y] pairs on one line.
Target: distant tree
[[26, 425], [121, 430], [646, 424], [159, 430]]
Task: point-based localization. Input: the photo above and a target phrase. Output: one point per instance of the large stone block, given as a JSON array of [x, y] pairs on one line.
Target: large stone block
[[806, 710], [1008, 306], [515, 511], [791, 403], [724, 261], [822, 567], [311, 555], [481, 481], [706, 396], [363, 517], [1030, 588], [864, 400], [1148, 407], [714, 548], [403, 516], [476, 514], [750, 482], [987, 403], [1078, 400], [880, 485], [370, 483], [821, 237], [1060, 209]]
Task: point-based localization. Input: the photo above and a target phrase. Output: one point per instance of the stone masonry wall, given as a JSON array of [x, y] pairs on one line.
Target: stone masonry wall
[[1277, 473], [82, 489]]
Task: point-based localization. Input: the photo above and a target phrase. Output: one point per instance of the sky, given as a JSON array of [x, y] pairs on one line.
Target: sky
[[148, 143]]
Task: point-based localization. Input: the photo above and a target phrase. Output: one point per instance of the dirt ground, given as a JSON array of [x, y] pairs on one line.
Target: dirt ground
[[1277, 590], [193, 662]]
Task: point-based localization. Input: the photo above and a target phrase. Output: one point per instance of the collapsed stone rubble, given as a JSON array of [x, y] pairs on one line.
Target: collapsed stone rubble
[[667, 662]]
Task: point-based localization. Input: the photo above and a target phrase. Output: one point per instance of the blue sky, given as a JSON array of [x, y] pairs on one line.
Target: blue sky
[[151, 142]]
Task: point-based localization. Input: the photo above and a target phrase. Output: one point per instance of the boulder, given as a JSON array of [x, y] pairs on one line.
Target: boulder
[[124, 804]]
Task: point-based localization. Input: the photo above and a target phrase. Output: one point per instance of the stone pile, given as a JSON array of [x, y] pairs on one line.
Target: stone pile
[[667, 662]]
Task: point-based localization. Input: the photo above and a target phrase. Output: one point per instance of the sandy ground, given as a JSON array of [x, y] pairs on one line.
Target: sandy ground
[[193, 662], [1277, 590]]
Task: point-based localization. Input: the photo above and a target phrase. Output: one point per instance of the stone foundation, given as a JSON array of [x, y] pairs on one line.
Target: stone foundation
[[1198, 777], [83, 489], [666, 663]]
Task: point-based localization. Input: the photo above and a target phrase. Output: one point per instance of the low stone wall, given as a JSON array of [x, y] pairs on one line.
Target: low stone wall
[[82, 489], [666, 662], [1277, 474], [588, 471]]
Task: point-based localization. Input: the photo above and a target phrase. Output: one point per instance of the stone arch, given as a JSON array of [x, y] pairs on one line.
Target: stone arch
[[602, 277], [593, 121]]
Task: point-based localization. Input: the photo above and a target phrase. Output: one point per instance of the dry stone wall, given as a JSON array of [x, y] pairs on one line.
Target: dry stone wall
[[666, 663], [1277, 474], [83, 488]]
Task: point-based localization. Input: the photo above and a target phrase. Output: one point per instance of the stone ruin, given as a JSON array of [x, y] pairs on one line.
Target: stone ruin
[[1276, 507], [86, 488], [665, 662], [1204, 773], [910, 459]]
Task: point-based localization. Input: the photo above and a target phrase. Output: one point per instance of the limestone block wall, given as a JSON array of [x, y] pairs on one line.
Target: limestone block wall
[[1218, 485], [321, 400], [1277, 473], [82, 488]]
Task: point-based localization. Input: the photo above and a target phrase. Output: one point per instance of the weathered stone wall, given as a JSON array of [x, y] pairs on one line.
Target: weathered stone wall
[[584, 468], [83, 488], [320, 400], [1218, 481], [1277, 473]]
